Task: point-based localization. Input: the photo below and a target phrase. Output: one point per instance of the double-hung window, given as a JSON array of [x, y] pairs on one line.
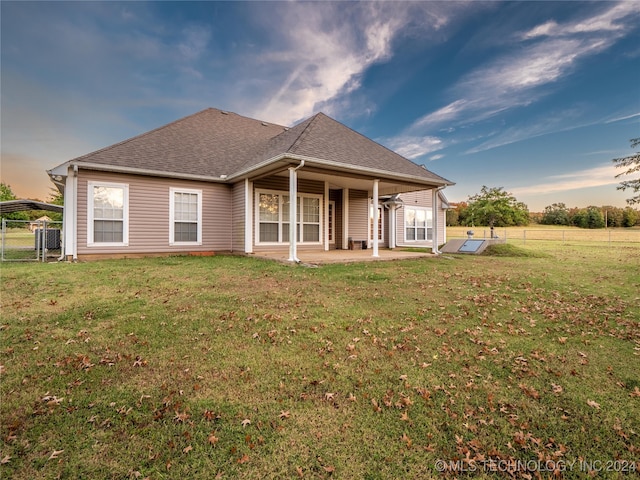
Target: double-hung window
[[418, 224], [185, 217], [107, 214], [274, 222]]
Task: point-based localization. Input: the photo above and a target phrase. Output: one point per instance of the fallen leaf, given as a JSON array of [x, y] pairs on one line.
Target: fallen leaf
[[243, 459], [593, 404], [55, 454], [212, 438], [284, 414], [246, 422], [556, 388], [187, 449], [5, 460], [299, 472]]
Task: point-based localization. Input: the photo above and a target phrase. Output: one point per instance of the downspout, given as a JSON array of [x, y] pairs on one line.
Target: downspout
[[293, 212]]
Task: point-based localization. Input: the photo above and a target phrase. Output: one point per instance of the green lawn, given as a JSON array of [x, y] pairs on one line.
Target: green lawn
[[226, 367]]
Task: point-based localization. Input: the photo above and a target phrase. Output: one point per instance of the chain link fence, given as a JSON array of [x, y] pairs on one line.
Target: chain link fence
[[31, 241]]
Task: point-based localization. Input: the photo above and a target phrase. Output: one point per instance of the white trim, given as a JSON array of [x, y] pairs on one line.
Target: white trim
[[381, 222], [376, 218], [125, 214], [248, 215], [416, 240], [331, 222], [326, 215], [70, 215], [172, 192]]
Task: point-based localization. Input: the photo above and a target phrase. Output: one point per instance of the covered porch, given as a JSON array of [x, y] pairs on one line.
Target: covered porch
[[337, 209]]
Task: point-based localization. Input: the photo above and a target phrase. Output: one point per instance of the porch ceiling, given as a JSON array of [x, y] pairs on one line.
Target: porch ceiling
[[356, 182]]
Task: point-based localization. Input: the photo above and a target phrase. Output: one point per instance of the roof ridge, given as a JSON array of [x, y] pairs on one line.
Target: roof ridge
[[305, 131]]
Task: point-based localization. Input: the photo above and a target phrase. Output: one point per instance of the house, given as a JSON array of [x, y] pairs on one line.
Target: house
[[39, 223], [217, 181]]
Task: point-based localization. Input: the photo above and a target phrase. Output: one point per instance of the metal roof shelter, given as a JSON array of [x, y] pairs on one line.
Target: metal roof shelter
[[12, 206]]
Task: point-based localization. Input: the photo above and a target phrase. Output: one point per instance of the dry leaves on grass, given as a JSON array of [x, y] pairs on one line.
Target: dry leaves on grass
[[593, 404]]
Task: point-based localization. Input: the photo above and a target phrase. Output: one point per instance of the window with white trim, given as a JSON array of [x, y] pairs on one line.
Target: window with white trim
[[107, 214], [418, 224], [273, 218], [185, 217], [380, 222]]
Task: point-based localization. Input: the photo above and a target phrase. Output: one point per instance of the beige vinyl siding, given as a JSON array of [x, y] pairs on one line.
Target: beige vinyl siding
[[238, 217], [282, 184], [422, 198], [149, 214], [358, 214]]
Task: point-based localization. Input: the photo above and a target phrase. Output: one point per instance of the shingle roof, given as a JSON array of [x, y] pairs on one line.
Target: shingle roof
[[324, 138], [209, 143], [212, 143]]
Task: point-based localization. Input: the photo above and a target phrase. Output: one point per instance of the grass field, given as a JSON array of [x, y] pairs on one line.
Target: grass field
[[229, 367], [553, 233]]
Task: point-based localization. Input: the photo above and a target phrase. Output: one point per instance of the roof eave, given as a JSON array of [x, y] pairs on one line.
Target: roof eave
[[338, 166], [57, 171]]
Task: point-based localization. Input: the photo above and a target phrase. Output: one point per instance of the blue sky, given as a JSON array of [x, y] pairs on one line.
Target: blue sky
[[534, 97]]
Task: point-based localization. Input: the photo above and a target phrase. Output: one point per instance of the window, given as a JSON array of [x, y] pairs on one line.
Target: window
[[418, 224], [107, 214], [380, 222], [273, 218], [185, 216]]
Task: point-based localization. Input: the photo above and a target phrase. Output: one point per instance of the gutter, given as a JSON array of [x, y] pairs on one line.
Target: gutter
[[341, 166]]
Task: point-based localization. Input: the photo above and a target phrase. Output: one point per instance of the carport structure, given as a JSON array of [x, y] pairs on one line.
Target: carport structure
[[27, 246]]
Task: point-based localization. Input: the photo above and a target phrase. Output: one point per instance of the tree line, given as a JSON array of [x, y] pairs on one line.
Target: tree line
[[495, 207]]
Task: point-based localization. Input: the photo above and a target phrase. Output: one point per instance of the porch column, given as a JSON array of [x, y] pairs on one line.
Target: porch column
[[293, 214], [434, 216], [392, 226], [70, 214], [376, 218], [345, 218], [326, 216], [248, 216]]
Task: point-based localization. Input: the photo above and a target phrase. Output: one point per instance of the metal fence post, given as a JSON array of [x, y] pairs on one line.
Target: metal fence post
[[4, 235]]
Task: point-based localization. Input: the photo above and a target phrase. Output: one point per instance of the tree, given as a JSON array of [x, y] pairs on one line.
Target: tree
[[496, 208], [590, 217], [7, 194], [630, 217], [555, 214], [632, 163]]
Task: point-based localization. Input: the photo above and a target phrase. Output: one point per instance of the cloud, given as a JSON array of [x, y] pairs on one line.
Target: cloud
[[625, 117], [414, 147], [324, 49], [543, 56], [593, 177]]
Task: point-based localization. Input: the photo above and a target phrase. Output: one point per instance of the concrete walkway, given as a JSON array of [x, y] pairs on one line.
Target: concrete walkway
[[343, 256]]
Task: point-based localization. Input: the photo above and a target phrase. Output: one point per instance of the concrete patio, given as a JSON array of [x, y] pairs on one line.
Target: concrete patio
[[343, 256]]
